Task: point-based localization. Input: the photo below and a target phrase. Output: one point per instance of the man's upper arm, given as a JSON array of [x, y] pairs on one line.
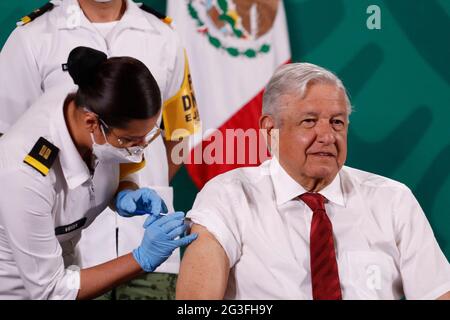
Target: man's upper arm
[[424, 268], [20, 81], [176, 69], [445, 296], [204, 269]]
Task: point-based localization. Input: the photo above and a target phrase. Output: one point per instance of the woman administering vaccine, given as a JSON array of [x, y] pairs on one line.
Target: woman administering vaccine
[[63, 163]]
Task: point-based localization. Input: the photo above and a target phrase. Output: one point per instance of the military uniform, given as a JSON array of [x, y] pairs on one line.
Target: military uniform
[[48, 195]]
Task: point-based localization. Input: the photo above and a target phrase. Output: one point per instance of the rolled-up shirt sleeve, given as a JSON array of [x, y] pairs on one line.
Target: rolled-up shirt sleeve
[[26, 216], [215, 209], [424, 269]]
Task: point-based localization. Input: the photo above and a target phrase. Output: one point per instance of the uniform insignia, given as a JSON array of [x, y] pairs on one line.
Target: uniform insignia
[[42, 156], [162, 17], [35, 14]]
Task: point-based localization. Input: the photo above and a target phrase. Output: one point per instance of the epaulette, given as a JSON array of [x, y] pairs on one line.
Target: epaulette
[[35, 14], [159, 15], [42, 156]]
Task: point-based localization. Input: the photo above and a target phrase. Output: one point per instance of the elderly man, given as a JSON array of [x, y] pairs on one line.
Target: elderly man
[[304, 226]]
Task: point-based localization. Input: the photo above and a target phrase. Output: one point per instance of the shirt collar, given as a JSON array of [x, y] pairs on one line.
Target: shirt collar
[[133, 17], [74, 168], [286, 188], [333, 192]]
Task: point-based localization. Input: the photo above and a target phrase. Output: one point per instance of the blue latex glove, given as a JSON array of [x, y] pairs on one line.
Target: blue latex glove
[[138, 202], [158, 242]]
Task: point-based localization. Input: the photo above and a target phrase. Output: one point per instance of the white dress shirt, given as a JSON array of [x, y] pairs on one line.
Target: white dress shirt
[[34, 256], [31, 64], [385, 246]]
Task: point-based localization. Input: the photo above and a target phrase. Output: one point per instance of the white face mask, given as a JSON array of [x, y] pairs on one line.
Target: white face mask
[[108, 153]]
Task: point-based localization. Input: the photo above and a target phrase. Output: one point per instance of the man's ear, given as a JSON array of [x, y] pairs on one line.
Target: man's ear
[[267, 123]]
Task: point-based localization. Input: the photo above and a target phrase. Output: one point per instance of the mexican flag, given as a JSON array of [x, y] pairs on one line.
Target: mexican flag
[[233, 47]]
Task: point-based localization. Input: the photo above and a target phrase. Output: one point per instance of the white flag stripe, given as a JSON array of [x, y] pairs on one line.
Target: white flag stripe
[[224, 83]]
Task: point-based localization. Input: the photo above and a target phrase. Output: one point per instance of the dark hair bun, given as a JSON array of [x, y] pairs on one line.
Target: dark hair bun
[[82, 64]]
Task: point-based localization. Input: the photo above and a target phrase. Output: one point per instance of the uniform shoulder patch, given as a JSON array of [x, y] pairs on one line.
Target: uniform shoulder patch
[[42, 156], [159, 15], [35, 14]]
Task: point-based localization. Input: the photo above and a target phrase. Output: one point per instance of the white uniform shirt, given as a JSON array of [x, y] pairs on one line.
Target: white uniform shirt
[[105, 28], [384, 244], [31, 63], [34, 256]]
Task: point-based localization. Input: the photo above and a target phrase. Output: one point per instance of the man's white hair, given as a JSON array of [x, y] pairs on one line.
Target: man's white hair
[[293, 79]]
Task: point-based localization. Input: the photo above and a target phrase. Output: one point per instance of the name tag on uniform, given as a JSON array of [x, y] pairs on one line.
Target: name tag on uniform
[[71, 227]]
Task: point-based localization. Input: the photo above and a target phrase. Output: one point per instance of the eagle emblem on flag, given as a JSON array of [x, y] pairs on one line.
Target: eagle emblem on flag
[[238, 27]]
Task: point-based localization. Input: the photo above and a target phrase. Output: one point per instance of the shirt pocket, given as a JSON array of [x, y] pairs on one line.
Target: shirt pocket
[[369, 275]]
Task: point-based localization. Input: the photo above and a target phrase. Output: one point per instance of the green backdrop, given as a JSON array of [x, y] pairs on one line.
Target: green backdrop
[[398, 78]]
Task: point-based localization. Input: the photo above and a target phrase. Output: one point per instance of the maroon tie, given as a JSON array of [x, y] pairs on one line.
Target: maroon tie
[[324, 269]]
